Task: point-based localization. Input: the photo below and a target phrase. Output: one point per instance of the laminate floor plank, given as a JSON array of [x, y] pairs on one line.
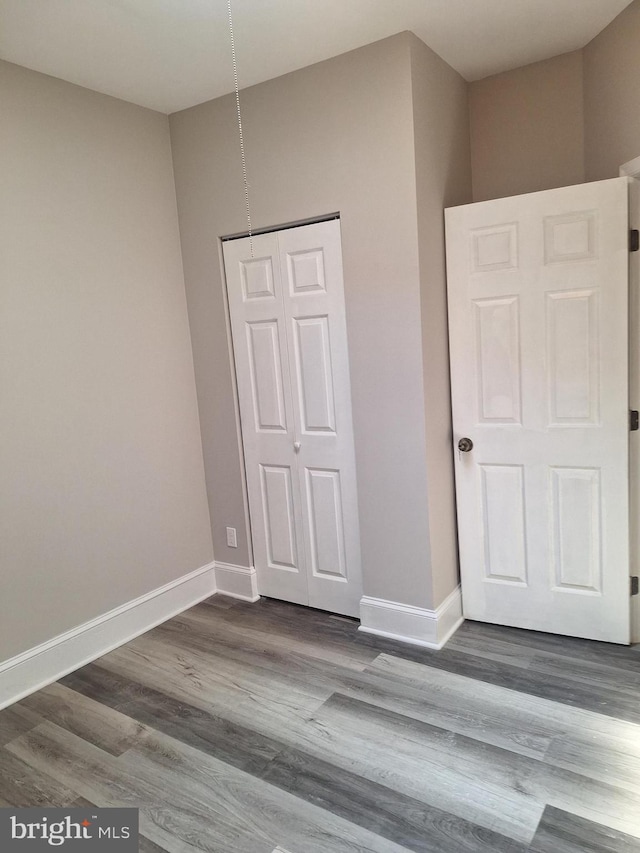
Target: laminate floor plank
[[188, 674], [603, 673], [147, 846], [296, 623], [263, 810], [401, 818], [561, 832], [166, 816], [524, 680], [82, 803], [486, 664], [144, 844], [339, 648], [266, 678], [252, 727], [221, 602], [609, 758], [22, 786], [236, 745], [550, 712], [405, 820], [302, 626], [93, 721], [552, 717], [497, 650], [549, 716], [321, 679], [449, 755], [191, 801], [311, 741], [94, 773], [279, 720], [316, 740], [591, 744], [313, 737], [533, 642], [602, 676], [15, 721], [230, 651]]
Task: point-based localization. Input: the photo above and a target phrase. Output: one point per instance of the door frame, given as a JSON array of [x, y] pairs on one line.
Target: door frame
[[631, 169]]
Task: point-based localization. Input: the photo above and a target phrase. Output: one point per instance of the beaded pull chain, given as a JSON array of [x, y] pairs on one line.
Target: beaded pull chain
[[240, 134]]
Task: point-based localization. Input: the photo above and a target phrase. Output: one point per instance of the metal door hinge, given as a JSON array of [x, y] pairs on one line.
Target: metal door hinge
[[634, 585], [634, 420], [634, 240]]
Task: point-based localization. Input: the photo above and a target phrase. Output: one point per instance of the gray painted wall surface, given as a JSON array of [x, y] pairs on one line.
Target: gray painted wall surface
[[527, 128], [337, 136], [102, 494], [612, 84], [443, 179]]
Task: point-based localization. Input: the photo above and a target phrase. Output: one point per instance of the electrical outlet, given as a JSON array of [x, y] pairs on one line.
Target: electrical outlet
[[232, 539]]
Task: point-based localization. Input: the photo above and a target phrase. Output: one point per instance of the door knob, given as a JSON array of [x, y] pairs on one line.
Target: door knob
[[465, 445], [296, 446]]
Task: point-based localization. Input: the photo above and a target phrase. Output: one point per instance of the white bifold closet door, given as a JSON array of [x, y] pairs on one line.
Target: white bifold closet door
[[286, 303]]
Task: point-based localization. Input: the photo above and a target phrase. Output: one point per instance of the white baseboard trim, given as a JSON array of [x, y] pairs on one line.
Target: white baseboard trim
[[416, 625], [43, 664], [237, 581]]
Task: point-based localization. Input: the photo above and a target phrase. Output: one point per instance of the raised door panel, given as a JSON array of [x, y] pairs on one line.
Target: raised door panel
[[570, 237], [257, 279], [279, 517], [314, 374], [306, 273], [498, 355], [494, 247], [573, 357], [326, 524], [576, 520], [265, 371], [503, 524]]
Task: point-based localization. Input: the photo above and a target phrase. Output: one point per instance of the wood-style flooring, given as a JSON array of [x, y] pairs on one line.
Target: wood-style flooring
[[261, 727]]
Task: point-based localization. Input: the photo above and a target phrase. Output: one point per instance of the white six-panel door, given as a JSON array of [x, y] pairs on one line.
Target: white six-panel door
[[539, 365], [289, 334]]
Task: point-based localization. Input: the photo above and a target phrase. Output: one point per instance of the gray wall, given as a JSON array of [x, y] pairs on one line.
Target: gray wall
[[527, 128], [562, 121], [102, 492], [337, 136], [443, 179], [612, 96]]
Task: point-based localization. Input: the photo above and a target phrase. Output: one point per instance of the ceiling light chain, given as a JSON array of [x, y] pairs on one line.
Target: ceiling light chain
[[242, 154]]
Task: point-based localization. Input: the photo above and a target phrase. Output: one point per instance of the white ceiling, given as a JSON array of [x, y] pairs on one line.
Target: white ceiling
[[172, 54]]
